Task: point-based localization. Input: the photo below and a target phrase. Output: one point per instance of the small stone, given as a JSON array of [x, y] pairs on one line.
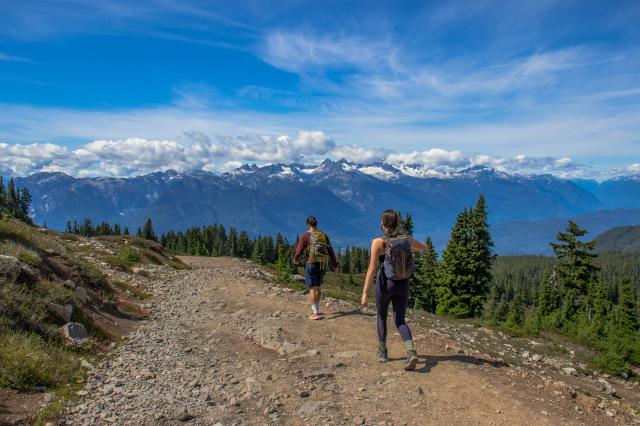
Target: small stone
[[419, 391], [85, 364], [74, 333], [526, 354], [570, 371], [607, 387], [611, 412], [313, 352], [63, 311], [536, 357], [182, 415], [304, 394], [82, 393], [358, 420]]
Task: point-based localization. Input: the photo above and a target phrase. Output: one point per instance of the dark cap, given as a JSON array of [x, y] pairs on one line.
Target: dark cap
[[311, 220]]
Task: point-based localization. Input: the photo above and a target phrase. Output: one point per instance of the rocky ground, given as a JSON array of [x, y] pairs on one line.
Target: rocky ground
[[224, 345]]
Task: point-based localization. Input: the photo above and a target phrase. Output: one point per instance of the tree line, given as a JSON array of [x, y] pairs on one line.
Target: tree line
[[14, 201], [88, 229]]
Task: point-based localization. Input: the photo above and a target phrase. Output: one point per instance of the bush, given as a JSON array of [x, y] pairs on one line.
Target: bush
[[125, 257], [28, 362]]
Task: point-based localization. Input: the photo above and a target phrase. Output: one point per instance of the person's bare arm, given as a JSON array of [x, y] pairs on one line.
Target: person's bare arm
[[376, 251], [417, 245]]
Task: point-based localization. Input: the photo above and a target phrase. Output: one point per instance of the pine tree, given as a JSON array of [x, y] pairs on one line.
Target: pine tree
[[424, 281], [282, 266], [576, 268], [147, 231], [126, 230], [455, 294], [116, 229], [244, 245], [139, 232], [407, 224], [466, 265], [627, 309], [481, 245], [12, 198]]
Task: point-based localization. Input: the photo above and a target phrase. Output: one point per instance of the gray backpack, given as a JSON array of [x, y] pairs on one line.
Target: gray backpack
[[398, 258]]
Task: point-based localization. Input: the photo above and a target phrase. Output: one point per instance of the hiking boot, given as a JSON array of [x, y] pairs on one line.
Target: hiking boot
[[412, 361], [382, 355]]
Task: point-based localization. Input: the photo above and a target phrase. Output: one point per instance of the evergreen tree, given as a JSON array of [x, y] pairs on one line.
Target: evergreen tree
[[423, 295], [12, 198], [244, 245], [576, 268], [627, 309], [116, 229], [455, 295], [24, 204], [407, 224], [466, 265], [147, 231], [126, 230], [139, 232]]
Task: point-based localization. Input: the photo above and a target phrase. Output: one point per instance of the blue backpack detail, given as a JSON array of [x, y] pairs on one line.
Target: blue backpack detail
[[398, 258]]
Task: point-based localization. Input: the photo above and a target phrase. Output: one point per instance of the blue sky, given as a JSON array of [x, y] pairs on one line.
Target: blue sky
[[121, 88]]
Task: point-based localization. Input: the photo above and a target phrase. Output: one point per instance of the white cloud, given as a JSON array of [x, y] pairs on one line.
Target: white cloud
[[304, 146], [136, 156], [358, 154]]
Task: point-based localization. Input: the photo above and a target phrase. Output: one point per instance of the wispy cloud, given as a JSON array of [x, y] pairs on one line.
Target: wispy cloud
[[13, 58]]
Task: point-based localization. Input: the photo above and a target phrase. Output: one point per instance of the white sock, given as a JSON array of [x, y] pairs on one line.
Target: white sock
[[314, 306]]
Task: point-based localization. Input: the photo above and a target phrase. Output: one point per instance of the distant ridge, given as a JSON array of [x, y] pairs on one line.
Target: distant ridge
[[619, 239], [347, 198]]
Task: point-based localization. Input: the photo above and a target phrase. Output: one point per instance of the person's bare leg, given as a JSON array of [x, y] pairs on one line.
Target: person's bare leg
[[313, 299]]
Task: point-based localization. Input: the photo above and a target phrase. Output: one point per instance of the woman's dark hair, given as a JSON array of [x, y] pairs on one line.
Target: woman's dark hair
[[312, 221], [390, 221]]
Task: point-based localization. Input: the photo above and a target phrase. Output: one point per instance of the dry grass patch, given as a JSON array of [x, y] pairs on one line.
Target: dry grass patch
[[131, 289]]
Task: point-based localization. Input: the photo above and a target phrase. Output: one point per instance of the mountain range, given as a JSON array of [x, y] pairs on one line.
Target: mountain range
[[346, 197]]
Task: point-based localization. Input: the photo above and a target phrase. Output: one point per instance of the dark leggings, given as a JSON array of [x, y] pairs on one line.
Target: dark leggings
[[397, 294]]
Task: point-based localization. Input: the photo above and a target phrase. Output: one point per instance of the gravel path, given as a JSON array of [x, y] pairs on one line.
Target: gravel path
[[225, 346]]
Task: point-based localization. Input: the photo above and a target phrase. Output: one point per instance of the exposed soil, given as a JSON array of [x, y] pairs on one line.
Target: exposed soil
[[224, 345]]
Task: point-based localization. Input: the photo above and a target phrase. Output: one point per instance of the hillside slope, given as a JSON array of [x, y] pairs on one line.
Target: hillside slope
[[61, 306], [513, 238], [227, 346], [619, 239]]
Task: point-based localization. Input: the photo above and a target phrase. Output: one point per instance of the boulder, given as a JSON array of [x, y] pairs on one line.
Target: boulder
[[74, 333], [62, 311], [81, 294], [10, 269], [570, 371]]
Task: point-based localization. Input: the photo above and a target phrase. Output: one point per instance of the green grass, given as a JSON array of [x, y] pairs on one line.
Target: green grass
[[64, 395], [125, 258], [28, 362]]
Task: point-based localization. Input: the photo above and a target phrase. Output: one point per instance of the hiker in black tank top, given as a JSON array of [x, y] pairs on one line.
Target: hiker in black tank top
[[391, 257]]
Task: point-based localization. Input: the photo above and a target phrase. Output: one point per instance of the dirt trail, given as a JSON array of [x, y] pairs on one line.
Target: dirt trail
[[227, 347]]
